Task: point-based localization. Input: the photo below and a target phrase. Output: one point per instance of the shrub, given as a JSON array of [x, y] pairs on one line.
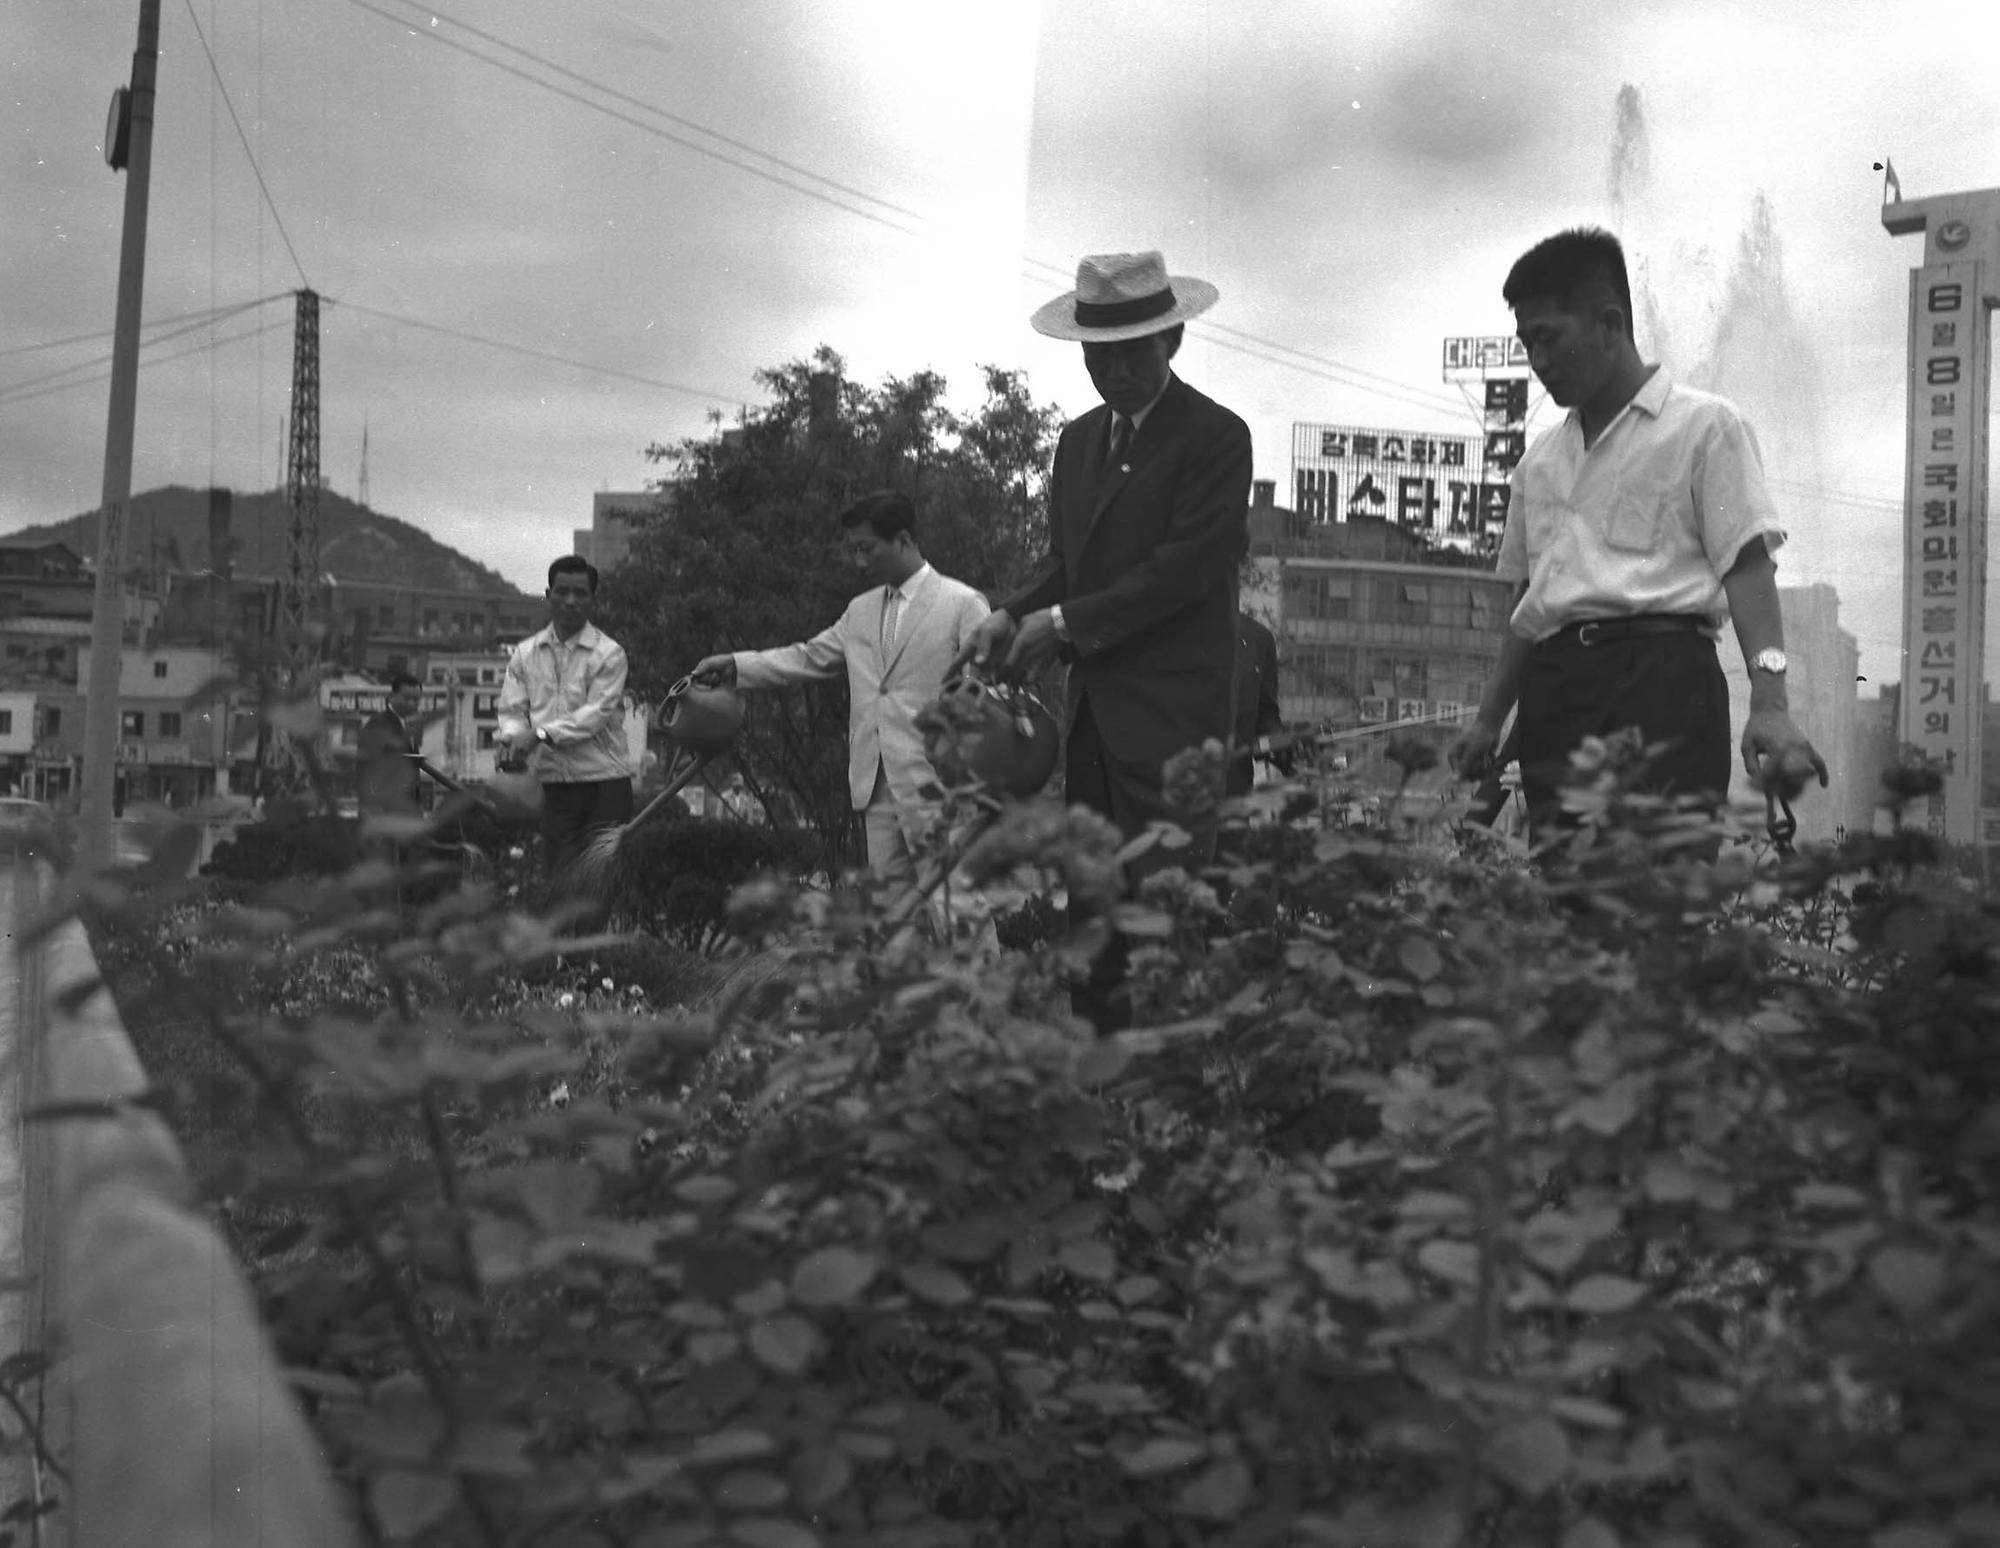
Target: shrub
[[675, 876], [1437, 1200]]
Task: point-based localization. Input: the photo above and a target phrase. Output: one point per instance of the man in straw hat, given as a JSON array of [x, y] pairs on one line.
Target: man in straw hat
[[1148, 517]]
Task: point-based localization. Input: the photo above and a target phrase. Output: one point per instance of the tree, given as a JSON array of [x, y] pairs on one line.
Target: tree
[[745, 552]]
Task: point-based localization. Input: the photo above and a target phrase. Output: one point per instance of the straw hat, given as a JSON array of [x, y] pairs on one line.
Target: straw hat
[[1123, 296]]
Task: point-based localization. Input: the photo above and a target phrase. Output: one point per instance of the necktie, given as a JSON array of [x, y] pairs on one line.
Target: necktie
[[892, 599], [1121, 439]]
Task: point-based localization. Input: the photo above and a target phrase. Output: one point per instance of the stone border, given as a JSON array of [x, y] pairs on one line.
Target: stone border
[[167, 1404]]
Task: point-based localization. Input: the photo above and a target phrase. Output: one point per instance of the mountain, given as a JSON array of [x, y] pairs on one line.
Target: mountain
[[169, 527]]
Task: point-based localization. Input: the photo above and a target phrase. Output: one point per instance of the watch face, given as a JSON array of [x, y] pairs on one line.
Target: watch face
[[1772, 661]]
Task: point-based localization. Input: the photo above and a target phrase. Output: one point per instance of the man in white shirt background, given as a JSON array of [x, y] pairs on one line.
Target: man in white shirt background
[[1634, 528], [894, 643], [562, 709]]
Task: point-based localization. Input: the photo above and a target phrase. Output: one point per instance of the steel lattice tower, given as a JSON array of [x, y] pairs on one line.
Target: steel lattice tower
[[302, 493]]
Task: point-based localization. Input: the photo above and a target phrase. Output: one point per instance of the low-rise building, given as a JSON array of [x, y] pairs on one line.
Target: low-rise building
[[615, 516], [1374, 625], [173, 723]]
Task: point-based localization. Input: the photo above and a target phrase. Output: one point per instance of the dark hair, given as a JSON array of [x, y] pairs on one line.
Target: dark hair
[[400, 680], [1564, 268], [573, 564], [888, 513]]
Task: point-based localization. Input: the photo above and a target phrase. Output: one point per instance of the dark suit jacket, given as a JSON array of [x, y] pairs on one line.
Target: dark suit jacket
[[1144, 561], [386, 766], [1257, 712]]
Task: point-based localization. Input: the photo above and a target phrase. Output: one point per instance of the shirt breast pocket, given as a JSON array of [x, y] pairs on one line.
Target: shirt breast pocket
[[1632, 521]]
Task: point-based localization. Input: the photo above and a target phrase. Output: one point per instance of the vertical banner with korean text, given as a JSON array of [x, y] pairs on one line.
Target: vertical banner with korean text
[[1944, 556]]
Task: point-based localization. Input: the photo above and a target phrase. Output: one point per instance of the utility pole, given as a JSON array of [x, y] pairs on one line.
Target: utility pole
[[128, 143]]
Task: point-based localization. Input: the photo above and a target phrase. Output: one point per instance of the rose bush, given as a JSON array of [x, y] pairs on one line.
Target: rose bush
[[1635, 1197]]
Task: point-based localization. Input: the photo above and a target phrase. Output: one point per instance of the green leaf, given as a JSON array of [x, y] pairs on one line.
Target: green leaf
[[750, 1489], [1669, 1180], [408, 1503], [833, 1276], [556, 1195], [713, 1347], [787, 1344], [1554, 1241], [1910, 1279], [1220, 1494], [772, 1532], [935, 1283], [686, 1534], [1531, 1454], [1910, 1534], [1590, 1532], [820, 1475], [1830, 1196], [1605, 1295], [1164, 1455], [1420, 958], [1590, 1413], [740, 1445], [1609, 1111], [1089, 1260], [1454, 1262], [705, 1190], [1102, 1062]]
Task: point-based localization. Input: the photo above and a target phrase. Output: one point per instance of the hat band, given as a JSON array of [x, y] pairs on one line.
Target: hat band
[[1115, 314]]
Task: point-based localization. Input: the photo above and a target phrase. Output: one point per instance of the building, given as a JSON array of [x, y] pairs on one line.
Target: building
[[173, 724], [382, 630], [615, 515], [1882, 749], [49, 580], [458, 711], [1374, 624]]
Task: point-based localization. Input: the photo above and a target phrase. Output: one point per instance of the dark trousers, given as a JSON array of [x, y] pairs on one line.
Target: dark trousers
[[1131, 796], [1669, 687], [572, 811]]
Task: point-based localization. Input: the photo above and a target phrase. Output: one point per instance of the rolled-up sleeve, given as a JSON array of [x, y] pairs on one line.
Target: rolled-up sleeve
[[1732, 504]]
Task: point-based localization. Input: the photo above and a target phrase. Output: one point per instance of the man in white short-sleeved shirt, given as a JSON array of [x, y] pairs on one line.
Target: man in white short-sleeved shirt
[[1634, 529]]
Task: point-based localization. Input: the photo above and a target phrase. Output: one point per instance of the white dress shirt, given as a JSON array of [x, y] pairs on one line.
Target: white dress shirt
[[1648, 519]]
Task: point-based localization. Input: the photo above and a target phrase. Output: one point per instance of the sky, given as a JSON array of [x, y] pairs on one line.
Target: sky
[[549, 237]]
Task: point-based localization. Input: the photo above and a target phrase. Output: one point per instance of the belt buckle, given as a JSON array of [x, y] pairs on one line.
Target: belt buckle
[[1585, 632]]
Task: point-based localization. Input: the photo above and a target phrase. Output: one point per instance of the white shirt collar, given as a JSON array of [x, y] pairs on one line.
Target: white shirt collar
[[909, 587], [584, 638]]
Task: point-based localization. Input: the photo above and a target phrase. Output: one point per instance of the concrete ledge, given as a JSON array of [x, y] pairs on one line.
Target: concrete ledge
[[166, 1403]]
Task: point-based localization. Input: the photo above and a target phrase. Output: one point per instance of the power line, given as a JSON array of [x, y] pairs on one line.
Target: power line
[[539, 354], [1406, 395], [248, 155], [1329, 369], [626, 118], [8, 398], [10, 389], [676, 118], [1055, 273], [147, 327]]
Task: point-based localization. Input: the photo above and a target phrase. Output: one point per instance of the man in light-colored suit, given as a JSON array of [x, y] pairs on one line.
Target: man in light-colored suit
[[895, 642]]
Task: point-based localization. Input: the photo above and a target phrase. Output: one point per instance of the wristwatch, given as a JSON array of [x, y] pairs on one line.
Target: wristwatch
[[542, 732], [1770, 659]]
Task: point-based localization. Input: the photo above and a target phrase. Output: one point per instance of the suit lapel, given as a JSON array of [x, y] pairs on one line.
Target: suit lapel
[[1158, 427]]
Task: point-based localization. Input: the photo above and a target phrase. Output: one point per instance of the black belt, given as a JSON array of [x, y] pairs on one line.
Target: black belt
[[1607, 631]]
